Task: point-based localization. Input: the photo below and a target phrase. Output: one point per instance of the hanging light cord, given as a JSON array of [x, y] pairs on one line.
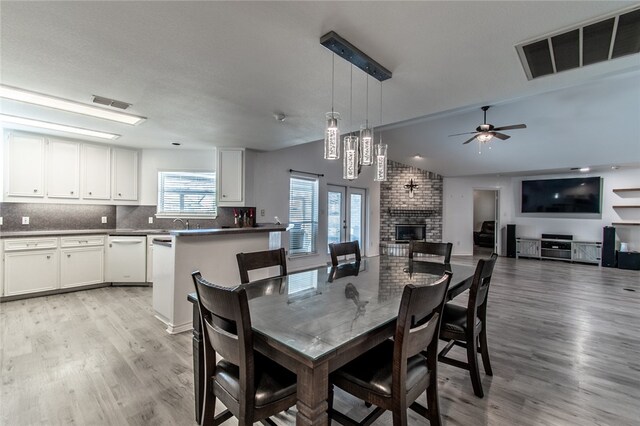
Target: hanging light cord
[[351, 103], [380, 131], [333, 73], [367, 118]]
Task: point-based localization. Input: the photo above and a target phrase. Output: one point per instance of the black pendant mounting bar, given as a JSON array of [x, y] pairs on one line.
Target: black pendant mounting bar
[[350, 53]]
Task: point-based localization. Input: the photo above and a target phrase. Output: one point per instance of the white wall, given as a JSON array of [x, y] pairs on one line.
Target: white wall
[[484, 207], [169, 159], [271, 192], [458, 210]]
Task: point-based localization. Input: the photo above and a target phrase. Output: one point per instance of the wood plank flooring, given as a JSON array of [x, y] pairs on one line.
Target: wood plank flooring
[[564, 341]]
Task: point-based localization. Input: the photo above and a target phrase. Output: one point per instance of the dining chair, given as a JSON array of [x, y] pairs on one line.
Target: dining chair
[[394, 374], [261, 259], [344, 249], [467, 326], [436, 249], [250, 385]]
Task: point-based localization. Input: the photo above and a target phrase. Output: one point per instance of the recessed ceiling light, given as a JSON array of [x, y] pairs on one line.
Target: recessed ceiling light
[[54, 126], [615, 167], [584, 169], [21, 95], [418, 156]]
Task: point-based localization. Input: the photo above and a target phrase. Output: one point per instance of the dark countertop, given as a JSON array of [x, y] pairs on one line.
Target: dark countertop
[[228, 231], [141, 232]]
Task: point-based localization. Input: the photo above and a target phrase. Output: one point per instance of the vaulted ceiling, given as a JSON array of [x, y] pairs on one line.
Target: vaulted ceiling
[[216, 73]]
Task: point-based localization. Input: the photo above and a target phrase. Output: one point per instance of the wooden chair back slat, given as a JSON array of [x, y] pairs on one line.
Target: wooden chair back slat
[[261, 259], [481, 282], [436, 249], [344, 249]]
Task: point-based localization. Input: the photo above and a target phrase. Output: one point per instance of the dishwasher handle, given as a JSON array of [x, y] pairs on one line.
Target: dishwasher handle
[[124, 242]]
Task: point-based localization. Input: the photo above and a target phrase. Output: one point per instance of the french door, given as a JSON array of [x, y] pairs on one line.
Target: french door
[[346, 214]]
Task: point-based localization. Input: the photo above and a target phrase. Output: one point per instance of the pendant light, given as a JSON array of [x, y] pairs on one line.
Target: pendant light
[[366, 137], [380, 152], [332, 133], [350, 161]]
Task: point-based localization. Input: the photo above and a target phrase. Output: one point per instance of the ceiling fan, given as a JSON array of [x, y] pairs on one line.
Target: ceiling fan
[[485, 132]]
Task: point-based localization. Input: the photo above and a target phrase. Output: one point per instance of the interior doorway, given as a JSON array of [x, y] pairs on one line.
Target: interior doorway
[[486, 215], [346, 214]]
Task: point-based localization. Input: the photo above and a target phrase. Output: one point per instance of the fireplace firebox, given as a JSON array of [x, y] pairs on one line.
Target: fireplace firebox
[[406, 233]]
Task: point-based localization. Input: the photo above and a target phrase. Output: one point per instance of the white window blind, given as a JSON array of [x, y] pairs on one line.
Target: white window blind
[[191, 194], [303, 215]]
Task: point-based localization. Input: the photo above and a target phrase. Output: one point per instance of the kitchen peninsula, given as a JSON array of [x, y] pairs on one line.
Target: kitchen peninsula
[[212, 252]]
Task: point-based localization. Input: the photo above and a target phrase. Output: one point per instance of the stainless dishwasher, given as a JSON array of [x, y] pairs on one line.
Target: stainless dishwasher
[[126, 260]]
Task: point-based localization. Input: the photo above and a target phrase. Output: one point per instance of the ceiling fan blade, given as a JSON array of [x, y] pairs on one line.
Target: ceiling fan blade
[[513, 126], [466, 142], [466, 133], [501, 136]]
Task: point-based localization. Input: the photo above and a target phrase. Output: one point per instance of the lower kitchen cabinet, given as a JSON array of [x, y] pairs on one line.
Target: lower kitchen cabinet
[[30, 271], [81, 266]]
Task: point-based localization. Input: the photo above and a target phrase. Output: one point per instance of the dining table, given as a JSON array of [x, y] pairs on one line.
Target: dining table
[[315, 321]]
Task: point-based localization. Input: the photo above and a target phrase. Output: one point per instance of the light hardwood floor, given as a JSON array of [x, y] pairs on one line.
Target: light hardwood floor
[[564, 341]]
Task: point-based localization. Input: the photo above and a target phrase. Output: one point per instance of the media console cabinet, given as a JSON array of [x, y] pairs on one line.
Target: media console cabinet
[[559, 249]]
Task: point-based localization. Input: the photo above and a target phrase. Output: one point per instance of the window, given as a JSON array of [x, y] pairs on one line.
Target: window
[[303, 215], [190, 194]]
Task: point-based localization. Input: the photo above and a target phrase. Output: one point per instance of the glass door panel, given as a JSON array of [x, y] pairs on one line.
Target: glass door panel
[[356, 215], [336, 220]]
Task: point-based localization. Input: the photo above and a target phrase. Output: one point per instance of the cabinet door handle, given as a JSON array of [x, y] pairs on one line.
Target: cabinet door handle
[[68, 255], [119, 194], [90, 193], [71, 192], [35, 190], [48, 257], [224, 196]]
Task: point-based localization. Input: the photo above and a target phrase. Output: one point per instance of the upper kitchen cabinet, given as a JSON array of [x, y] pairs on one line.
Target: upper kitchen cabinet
[[63, 169], [96, 166], [232, 177], [125, 174], [25, 164]]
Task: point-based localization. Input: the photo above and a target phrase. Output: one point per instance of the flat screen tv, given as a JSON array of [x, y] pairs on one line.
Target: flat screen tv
[[573, 195]]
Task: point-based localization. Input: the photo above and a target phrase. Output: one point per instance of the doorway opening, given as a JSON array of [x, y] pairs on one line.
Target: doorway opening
[[486, 214]]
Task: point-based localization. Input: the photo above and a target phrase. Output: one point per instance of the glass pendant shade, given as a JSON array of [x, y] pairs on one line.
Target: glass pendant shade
[[484, 137], [350, 161], [366, 146], [380, 163], [332, 137]]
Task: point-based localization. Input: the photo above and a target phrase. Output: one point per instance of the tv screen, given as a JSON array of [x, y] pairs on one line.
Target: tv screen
[[574, 195]]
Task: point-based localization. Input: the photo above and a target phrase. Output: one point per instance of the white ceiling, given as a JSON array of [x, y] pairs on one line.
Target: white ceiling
[[215, 73]]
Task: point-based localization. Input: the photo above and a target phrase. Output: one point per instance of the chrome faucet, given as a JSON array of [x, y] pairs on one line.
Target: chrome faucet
[[184, 223]]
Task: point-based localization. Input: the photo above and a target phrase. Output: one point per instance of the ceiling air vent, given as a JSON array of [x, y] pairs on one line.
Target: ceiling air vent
[[595, 41], [110, 102]]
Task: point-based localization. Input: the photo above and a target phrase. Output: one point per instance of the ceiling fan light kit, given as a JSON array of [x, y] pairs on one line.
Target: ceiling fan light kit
[[486, 132]]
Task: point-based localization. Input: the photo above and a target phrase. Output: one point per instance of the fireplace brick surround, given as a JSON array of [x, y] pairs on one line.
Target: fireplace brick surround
[[396, 207]]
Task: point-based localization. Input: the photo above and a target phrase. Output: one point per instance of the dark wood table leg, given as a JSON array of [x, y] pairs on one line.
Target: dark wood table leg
[[313, 387], [198, 363]]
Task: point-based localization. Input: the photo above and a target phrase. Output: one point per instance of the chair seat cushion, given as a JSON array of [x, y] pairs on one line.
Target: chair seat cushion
[[454, 318], [373, 370], [273, 382]]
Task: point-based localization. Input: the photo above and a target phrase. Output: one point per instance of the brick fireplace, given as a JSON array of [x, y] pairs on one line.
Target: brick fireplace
[[398, 208]]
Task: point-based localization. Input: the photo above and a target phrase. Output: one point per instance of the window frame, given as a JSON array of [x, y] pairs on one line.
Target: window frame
[[315, 215], [186, 214]]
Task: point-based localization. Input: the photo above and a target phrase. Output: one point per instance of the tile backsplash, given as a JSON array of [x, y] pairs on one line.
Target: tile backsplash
[[51, 217]]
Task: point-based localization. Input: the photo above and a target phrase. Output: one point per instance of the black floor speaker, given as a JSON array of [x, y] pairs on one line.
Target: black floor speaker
[[609, 246], [511, 240]]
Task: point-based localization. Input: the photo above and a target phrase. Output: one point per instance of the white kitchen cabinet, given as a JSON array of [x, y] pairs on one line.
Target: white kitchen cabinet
[[125, 174], [81, 260], [30, 271], [230, 175], [81, 266], [63, 169], [96, 172], [25, 164]]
